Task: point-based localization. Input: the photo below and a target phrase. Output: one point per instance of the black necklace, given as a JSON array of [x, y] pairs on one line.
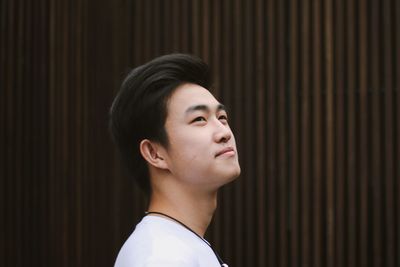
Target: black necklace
[[187, 227]]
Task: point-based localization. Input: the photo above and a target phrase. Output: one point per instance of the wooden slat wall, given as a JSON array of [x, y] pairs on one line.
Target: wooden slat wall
[[313, 92]]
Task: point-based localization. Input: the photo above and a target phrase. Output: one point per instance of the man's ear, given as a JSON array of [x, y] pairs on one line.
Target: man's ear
[[152, 153]]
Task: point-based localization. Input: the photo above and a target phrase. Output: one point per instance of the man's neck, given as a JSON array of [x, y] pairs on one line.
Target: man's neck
[[193, 209]]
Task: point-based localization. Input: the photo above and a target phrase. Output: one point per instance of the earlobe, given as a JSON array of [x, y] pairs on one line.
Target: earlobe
[[151, 153]]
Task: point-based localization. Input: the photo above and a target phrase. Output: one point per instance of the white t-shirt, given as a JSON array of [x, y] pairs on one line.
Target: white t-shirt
[[161, 242]]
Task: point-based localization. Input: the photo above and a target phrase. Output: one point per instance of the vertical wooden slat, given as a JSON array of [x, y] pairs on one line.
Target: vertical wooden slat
[[185, 36], [271, 135], [40, 123], [305, 134], [389, 233], [175, 18], [205, 31], [330, 187], [27, 111], [351, 136], [9, 238], [8, 234], [363, 134], [397, 127], [64, 149], [79, 124], [18, 138], [138, 53], [158, 26], [13, 150], [294, 142], [260, 123], [282, 136], [10, 220], [317, 136], [26, 118], [52, 84], [196, 48], [376, 176], [12, 236], [34, 114], [3, 123], [36, 82], [44, 71], [147, 26], [340, 242], [85, 135]]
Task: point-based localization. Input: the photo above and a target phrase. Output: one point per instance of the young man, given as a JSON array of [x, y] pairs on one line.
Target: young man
[[174, 137]]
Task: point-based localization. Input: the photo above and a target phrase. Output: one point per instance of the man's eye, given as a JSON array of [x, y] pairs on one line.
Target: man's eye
[[199, 119], [223, 117]]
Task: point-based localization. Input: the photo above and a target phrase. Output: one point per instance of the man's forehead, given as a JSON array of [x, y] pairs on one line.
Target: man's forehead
[[192, 95]]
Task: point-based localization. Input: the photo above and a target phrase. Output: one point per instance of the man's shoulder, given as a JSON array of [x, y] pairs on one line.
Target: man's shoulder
[[154, 242]]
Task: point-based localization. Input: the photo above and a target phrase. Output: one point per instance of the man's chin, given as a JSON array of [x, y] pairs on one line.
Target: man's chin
[[233, 175]]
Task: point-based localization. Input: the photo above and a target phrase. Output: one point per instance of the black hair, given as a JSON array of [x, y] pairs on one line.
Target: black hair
[[139, 110]]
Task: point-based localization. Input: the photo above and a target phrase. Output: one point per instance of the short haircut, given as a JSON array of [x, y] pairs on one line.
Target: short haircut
[[139, 110]]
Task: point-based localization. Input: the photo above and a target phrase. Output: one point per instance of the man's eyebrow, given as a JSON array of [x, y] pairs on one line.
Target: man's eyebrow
[[221, 107], [203, 108]]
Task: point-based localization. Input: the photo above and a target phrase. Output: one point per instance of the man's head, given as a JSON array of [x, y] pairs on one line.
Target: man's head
[[163, 118]]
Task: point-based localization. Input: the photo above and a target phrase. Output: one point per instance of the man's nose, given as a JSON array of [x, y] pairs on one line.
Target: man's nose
[[222, 133]]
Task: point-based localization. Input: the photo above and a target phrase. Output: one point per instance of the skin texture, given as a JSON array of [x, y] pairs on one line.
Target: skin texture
[[200, 158]]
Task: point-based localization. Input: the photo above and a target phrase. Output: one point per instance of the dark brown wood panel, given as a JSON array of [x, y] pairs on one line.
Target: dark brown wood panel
[[313, 93]]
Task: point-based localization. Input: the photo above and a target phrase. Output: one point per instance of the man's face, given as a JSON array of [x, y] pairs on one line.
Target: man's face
[[202, 149]]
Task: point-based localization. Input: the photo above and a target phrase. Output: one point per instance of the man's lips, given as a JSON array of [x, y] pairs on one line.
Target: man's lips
[[225, 150]]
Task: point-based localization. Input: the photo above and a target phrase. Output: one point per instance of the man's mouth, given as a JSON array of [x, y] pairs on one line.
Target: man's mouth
[[228, 150]]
